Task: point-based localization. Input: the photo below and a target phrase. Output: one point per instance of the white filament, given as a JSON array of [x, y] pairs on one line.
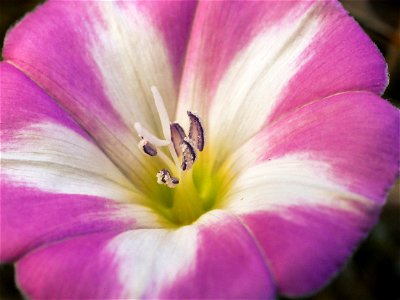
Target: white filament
[[143, 132], [165, 124]]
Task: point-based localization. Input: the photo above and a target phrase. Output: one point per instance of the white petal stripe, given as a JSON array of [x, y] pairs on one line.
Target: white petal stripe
[[293, 180], [55, 159]]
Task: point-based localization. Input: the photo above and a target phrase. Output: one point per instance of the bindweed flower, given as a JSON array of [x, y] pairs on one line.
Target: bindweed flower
[[175, 149]]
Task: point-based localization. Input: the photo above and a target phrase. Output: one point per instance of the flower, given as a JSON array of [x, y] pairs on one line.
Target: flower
[[299, 149]]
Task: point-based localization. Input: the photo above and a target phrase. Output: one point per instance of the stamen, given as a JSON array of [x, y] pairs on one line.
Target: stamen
[[196, 131], [149, 136], [148, 147], [179, 145], [177, 136], [189, 154], [164, 177]]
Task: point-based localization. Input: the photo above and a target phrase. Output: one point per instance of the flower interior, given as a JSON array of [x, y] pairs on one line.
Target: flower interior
[[188, 182], [190, 149]]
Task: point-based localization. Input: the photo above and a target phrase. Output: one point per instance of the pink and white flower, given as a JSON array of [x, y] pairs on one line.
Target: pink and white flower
[[300, 150]]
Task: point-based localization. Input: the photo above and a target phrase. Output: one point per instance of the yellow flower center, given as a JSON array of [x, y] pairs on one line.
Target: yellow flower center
[[188, 184]]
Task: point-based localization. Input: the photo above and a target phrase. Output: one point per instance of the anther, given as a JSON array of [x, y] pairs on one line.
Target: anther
[[188, 154], [196, 131], [147, 147], [177, 137], [164, 177]]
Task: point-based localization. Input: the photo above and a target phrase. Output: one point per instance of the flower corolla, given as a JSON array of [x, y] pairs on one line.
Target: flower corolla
[[183, 149]]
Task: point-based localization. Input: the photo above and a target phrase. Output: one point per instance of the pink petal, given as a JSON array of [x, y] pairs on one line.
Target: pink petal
[[340, 58], [55, 182], [238, 23], [356, 133], [228, 263], [268, 57], [318, 186], [307, 246], [77, 268], [31, 218], [203, 260], [174, 20], [89, 57], [23, 103]]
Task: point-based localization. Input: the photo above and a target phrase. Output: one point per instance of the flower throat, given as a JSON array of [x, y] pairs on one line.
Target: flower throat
[[188, 185], [183, 148]]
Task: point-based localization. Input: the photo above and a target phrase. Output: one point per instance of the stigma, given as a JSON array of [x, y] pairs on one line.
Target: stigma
[[183, 148]]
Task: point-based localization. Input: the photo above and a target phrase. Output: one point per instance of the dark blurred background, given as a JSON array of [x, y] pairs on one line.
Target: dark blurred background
[[373, 273]]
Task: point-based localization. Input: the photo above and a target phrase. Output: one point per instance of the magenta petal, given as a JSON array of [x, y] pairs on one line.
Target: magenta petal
[[228, 264], [47, 192], [357, 134], [77, 268], [268, 58], [48, 48], [23, 103], [82, 53], [174, 20], [340, 58], [307, 246], [204, 260], [211, 51], [350, 143], [31, 218]]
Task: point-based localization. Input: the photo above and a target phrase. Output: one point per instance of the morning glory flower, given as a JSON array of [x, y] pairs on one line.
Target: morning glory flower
[[190, 150]]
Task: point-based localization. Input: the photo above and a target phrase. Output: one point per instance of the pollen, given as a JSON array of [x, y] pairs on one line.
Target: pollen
[[188, 154], [177, 137], [165, 177], [196, 131], [147, 147], [182, 147]]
